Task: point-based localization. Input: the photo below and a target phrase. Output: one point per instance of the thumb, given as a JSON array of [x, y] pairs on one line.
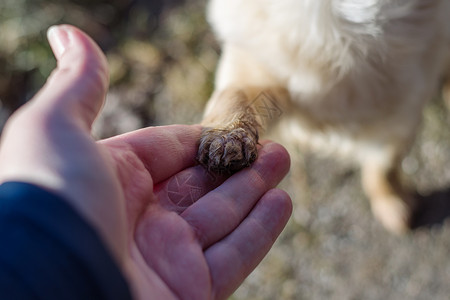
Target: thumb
[[77, 87]]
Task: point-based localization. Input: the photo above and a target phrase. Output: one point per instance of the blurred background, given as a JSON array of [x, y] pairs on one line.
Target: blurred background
[[162, 58], [161, 54]]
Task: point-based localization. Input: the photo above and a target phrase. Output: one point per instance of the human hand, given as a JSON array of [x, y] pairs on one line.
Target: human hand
[[175, 231]]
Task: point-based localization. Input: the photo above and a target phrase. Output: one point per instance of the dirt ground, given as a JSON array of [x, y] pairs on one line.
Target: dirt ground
[[162, 57]]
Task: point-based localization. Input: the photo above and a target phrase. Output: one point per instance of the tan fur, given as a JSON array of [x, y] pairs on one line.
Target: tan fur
[[351, 78]]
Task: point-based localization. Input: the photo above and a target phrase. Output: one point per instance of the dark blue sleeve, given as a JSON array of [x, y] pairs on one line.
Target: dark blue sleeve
[[47, 251]]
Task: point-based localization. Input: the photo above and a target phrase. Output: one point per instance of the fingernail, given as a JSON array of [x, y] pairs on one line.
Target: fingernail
[[59, 39]]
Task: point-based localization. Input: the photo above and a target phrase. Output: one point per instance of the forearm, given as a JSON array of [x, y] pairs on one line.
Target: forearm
[[49, 252]]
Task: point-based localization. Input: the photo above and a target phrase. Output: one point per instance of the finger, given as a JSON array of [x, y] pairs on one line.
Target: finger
[[53, 125], [220, 211], [232, 259], [77, 87], [164, 150]]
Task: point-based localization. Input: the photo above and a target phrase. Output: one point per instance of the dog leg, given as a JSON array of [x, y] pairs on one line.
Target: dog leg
[[390, 203], [246, 100]]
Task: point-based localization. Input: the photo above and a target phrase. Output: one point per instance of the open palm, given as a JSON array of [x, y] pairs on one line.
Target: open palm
[[195, 235], [175, 230]]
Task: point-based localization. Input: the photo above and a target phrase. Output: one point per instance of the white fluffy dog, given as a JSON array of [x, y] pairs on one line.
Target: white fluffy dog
[[349, 77]]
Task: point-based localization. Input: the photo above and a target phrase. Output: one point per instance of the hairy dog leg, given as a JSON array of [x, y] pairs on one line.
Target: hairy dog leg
[[392, 204], [246, 101]]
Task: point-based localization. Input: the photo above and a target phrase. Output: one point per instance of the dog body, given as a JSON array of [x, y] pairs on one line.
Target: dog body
[[349, 76]]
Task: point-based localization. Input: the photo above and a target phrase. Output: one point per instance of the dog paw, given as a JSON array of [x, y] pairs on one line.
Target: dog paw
[[394, 213], [225, 151]]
